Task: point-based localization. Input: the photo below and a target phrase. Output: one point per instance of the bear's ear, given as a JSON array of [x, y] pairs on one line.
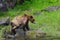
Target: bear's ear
[[25, 14]]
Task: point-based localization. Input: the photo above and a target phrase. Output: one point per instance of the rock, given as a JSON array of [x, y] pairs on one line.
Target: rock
[[37, 13], [28, 35], [40, 33], [18, 36], [34, 35], [3, 7], [8, 36], [48, 9], [20, 32], [5, 4], [51, 8], [4, 21], [12, 4]]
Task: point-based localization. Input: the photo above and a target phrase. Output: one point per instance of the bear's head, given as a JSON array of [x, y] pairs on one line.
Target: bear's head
[[30, 18]]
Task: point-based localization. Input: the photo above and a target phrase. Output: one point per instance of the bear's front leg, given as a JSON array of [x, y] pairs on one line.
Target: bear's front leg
[[27, 27]]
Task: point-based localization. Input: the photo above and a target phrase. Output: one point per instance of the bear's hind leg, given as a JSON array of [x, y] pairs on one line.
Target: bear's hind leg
[[13, 32]]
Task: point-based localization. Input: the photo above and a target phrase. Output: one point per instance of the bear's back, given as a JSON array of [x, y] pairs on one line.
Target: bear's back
[[19, 20]]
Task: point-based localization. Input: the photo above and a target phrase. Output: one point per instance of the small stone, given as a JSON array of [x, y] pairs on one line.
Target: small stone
[[4, 21]]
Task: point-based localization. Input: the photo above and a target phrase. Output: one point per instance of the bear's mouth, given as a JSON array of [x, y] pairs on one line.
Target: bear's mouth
[[33, 22]]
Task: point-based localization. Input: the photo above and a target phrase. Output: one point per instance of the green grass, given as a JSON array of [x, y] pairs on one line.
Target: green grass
[[46, 21]]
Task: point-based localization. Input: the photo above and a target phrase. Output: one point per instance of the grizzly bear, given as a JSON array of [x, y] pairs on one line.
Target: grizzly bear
[[21, 22]]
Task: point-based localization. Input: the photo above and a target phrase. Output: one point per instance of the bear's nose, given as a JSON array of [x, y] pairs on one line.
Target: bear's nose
[[33, 19]]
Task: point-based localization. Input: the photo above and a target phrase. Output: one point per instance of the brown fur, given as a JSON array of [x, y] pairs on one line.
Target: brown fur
[[22, 22]]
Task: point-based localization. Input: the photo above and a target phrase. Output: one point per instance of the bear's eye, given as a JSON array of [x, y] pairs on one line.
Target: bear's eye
[[31, 16]]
